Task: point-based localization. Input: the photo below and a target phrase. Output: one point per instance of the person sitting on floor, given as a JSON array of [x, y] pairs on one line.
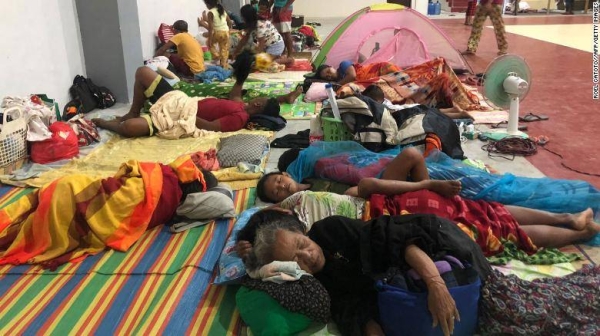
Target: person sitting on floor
[[189, 59], [266, 35], [348, 255], [212, 114]]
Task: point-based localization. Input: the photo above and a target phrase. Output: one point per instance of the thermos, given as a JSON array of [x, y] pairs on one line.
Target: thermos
[[332, 101]]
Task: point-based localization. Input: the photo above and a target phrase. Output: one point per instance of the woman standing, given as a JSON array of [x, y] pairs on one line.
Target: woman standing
[[493, 9]]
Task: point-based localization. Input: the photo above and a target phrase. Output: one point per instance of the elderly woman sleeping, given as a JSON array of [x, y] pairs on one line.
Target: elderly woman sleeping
[[77, 215], [347, 256]]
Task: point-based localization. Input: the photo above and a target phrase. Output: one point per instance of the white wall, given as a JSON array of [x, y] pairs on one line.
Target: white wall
[[154, 12], [330, 8], [41, 48]]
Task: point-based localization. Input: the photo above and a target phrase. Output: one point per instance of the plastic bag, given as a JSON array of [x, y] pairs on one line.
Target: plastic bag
[[62, 145]]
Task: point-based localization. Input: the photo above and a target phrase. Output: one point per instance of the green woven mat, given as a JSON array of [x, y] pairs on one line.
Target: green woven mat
[[298, 110]]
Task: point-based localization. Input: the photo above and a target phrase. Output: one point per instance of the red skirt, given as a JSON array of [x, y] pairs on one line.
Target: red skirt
[[488, 223]]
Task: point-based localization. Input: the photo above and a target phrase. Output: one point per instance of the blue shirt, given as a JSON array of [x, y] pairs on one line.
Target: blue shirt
[[341, 71], [280, 3]]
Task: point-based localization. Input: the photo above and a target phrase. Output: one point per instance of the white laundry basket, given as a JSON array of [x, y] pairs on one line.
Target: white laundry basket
[[13, 139]]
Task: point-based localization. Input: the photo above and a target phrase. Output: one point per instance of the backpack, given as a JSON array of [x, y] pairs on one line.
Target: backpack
[[104, 97], [90, 95], [81, 92]]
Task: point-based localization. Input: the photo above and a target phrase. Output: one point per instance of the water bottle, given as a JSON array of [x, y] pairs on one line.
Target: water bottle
[[431, 8], [438, 8], [332, 101]]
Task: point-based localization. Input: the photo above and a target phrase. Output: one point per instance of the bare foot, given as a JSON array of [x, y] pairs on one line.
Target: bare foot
[[445, 188], [292, 96], [592, 228], [583, 219], [98, 121]]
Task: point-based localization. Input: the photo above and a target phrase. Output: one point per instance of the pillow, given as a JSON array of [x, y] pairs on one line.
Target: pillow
[[231, 266], [265, 316], [316, 92], [242, 148], [165, 33], [208, 205]]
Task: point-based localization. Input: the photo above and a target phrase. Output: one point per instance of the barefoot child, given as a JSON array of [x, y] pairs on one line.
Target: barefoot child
[[218, 31]]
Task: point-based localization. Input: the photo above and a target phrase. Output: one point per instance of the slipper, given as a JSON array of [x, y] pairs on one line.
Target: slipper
[[468, 52], [529, 117], [541, 140], [504, 124], [471, 81]]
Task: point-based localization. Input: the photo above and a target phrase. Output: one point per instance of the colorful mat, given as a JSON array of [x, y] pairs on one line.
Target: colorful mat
[[105, 160], [298, 110], [159, 286]]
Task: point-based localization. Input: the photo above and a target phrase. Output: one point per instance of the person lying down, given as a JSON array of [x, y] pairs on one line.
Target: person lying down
[[78, 215], [348, 255]]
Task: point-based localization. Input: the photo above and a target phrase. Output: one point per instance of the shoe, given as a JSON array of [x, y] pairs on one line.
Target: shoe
[[468, 52], [500, 53]]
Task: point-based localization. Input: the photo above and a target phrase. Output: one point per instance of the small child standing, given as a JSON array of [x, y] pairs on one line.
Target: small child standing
[[219, 24], [264, 10], [470, 12]]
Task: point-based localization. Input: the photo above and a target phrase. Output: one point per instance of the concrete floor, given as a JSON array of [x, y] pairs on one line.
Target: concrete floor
[[472, 148]]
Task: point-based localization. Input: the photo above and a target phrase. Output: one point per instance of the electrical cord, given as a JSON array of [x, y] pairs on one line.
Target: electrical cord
[[510, 146]]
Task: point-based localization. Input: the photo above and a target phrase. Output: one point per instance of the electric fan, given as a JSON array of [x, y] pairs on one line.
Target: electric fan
[[507, 81]]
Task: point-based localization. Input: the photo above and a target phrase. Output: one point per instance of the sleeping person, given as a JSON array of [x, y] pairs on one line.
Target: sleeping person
[[79, 215], [348, 255]]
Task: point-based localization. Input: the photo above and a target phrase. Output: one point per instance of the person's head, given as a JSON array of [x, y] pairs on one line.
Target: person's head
[[326, 72], [215, 3], [276, 243], [275, 187], [196, 186], [180, 26], [286, 159], [263, 105], [250, 16], [265, 217], [375, 93], [263, 5]]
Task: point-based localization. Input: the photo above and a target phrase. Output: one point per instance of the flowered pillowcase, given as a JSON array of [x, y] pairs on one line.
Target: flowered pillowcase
[[231, 266]]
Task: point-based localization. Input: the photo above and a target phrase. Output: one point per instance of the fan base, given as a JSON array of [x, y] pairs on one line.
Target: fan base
[[502, 133]]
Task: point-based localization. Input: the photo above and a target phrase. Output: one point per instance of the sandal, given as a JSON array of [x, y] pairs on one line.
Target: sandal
[[541, 140], [529, 117], [504, 124]]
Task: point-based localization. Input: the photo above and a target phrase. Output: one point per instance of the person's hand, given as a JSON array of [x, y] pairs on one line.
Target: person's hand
[[280, 209], [442, 306], [243, 248], [352, 191]]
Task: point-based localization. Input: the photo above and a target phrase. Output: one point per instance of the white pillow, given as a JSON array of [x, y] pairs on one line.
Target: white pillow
[[316, 92]]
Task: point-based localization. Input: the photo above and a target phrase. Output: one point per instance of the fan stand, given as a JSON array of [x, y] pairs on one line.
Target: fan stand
[[513, 86]]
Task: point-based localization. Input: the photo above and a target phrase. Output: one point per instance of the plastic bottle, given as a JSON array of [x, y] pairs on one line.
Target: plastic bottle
[[332, 101], [316, 131], [438, 8], [431, 8]]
